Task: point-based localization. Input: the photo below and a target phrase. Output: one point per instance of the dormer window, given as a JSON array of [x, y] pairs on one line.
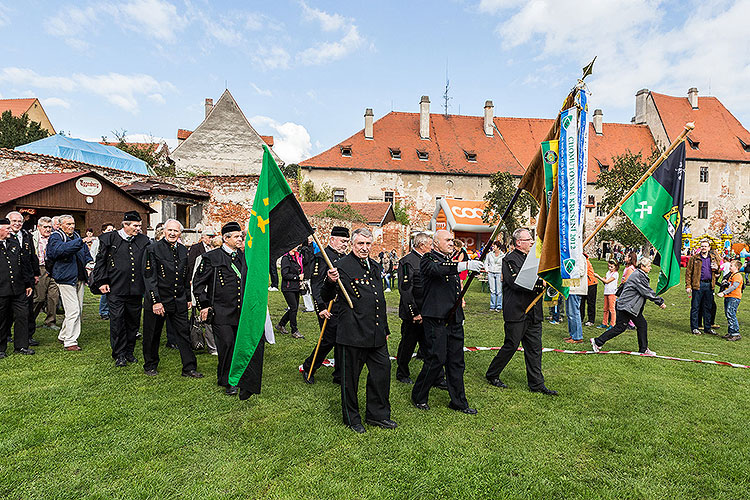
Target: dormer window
[[693, 144], [346, 150], [395, 153], [602, 166], [470, 156], [744, 145], [423, 155]]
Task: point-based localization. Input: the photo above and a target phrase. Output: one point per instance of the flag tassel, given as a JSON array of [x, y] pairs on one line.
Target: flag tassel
[[330, 266]]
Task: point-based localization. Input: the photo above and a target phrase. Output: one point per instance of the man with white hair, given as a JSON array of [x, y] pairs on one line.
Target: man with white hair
[[46, 293], [16, 281], [167, 298], [29, 253]]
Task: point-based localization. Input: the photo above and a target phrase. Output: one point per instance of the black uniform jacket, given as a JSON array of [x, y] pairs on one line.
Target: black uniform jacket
[[365, 325], [442, 286], [16, 274], [317, 278], [119, 263], [217, 285], [290, 272], [165, 275], [517, 298], [307, 259], [29, 251], [411, 286], [194, 252]]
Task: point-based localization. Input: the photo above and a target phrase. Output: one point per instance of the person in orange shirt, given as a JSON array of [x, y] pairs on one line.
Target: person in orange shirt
[[732, 295], [590, 299]]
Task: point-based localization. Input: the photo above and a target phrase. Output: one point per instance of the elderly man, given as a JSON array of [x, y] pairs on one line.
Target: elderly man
[[29, 253], [443, 327], [46, 293], [16, 281], [362, 334], [520, 326], [218, 285], [167, 284], [119, 272], [199, 248], [338, 244], [700, 279], [68, 254]]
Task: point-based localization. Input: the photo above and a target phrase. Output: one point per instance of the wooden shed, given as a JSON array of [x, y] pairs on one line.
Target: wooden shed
[[89, 197]]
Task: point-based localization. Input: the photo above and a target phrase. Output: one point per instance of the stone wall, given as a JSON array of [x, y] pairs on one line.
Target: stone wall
[[389, 237]]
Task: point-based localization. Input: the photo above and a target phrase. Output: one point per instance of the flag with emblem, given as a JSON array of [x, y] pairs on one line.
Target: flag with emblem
[[277, 224], [656, 210]]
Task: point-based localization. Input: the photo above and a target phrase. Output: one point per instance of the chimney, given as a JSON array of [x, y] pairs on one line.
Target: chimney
[[597, 119], [489, 109], [693, 97], [368, 123], [209, 106], [641, 98], [424, 117]]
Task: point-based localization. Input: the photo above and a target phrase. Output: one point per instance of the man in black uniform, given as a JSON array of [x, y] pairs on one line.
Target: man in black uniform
[[28, 250], [16, 281], [167, 284], [218, 285], [443, 332], [519, 325], [361, 334], [119, 272], [337, 247]]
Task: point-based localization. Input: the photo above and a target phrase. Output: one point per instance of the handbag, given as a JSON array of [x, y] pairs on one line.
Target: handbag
[[196, 334]]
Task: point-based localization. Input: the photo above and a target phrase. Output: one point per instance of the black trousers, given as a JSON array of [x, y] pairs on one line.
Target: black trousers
[[274, 272], [444, 348], [290, 316], [353, 359], [327, 344], [623, 318], [152, 326], [530, 333], [14, 307], [225, 336], [411, 334], [590, 301], [124, 321]]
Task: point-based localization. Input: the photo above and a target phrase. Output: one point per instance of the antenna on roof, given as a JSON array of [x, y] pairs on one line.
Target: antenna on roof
[[446, 98]]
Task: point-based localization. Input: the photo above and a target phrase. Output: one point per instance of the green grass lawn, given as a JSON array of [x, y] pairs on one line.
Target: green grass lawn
[[74, 426]]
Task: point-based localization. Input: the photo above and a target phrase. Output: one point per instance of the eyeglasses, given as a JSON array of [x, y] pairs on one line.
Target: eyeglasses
[[525, 239]]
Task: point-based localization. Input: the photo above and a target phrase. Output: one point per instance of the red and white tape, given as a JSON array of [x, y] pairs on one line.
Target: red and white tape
[[330, 362]]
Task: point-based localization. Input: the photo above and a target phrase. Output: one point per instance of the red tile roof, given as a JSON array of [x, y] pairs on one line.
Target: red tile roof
[[452, 136], [17, 107], [374, 212], [268, 139], [18, 187], [717, 131], [183, 134]]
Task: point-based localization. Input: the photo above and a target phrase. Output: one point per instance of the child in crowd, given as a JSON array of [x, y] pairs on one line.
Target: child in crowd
[[732, 295], [610, 287]]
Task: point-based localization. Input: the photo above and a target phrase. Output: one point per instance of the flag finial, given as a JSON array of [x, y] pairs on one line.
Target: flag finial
[[588, 69]]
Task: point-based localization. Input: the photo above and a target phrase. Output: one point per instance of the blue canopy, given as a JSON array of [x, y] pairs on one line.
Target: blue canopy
[[87, 152]]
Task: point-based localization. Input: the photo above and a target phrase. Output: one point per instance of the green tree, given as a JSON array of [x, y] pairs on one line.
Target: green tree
[[307, 192], [616, 181], [19, 130], [401, 214], [502, 188], [342, 211], [290, 171], [157, 159]]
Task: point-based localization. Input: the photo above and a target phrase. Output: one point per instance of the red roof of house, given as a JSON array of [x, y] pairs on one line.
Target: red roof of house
[[717, 132], [452, 136], [18, 187], [373, 211], [268, 139], [183, 134], [17, 107]]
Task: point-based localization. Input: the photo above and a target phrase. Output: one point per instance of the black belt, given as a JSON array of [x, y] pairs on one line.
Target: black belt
[[705, 281]]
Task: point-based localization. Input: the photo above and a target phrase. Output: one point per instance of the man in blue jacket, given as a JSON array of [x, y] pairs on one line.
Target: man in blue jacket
[[68, 254]]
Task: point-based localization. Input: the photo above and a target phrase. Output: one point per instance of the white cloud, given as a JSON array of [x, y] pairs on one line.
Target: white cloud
[[272, 58], [55, 102], [328, 22], [27, 77], [291, 140], [4, 16], [157, 18], [157, 98], [331, 51], [260, 91]]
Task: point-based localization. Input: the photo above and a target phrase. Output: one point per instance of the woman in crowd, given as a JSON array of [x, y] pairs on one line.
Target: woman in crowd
[[494, 265], [387, 264], [610, 287], [460, 255], [291, 278], [630, 308]]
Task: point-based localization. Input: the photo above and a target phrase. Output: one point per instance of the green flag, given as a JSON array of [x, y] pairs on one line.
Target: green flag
[[277, 224], [656, 210]]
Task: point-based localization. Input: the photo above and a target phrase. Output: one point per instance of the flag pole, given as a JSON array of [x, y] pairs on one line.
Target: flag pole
[[320, 339], [330, 266], [681, 138]]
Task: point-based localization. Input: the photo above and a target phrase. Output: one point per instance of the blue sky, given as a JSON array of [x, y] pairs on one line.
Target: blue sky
[[304, 71]]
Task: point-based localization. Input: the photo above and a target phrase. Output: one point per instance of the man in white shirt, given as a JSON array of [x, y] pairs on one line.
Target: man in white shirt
[[46, 291]]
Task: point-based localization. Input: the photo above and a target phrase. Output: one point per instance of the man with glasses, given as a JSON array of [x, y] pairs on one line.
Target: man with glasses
[[46, 293], [520, 326]]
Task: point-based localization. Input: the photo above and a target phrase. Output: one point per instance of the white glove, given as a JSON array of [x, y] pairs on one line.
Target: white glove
[[472, 265]]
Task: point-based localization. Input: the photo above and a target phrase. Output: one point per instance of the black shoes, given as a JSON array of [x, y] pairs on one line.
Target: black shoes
[[3, 355], [25, 350], [151, 373], [497, 383], [543, 389], [192, 374], [33, 342], [358, 428], [130, 358], [405, 380], [121, 361], [245, 394], [231, 390], [467, 410], [443, 385], [170, 345], [310, 380], [383, 424], [421, 406]]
